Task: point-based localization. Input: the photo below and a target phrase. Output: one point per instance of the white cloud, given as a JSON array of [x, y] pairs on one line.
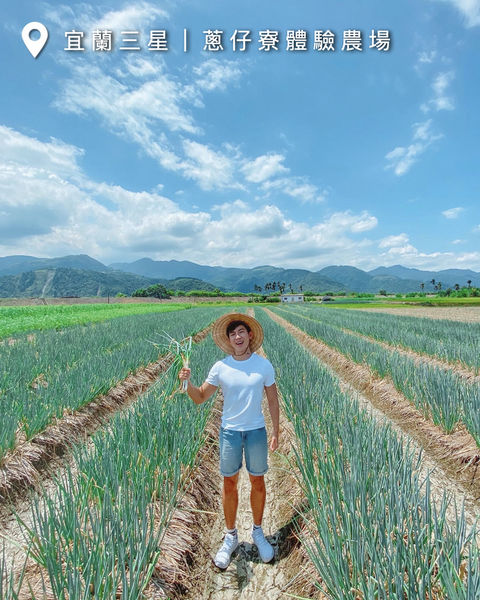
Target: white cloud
[[138, 99], [467, 259], [393, 241], [427, 57], [453, 213], [405, 252], [226, 208], [423, 131], [130, 108], [399, 249], [457, 242], [138, 67], [440, 86], [131, 17], [440, 100], [214, 74], [402, 250], [39, 182], [54, 155], [402, 158], [50, 207], [298, 188], [348, 221], [264, 167], [470, 9], [153, 109], [87, 17], [424, 58], [211, 169], [365, 223], [246, 235]]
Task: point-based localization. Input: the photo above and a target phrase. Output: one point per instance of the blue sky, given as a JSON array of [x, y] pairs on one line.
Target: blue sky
[[294, 158]]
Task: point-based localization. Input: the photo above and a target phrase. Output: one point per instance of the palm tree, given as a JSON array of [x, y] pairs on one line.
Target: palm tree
[[469, 282], [422, 286], [457, 287]]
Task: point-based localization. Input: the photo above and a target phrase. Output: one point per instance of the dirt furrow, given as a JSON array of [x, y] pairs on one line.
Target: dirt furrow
[[458, 368], [171, 576], [247, 576], [452, 459], [27, 465]]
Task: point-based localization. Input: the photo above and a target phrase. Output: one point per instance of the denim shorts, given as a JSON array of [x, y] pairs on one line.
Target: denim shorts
[[232, 445]]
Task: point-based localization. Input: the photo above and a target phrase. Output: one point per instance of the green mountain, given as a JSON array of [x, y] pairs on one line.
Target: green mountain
[[167, 269], [57, 283], [14, 265], [234, 279], [448, 277], [187, 284], [351, 277], [54, 277], [361, 281]]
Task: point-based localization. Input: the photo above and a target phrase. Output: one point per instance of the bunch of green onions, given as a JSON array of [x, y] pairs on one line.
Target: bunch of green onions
[[180, 350]]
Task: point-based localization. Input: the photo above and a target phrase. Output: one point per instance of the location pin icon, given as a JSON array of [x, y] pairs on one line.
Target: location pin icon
[[34, 46]]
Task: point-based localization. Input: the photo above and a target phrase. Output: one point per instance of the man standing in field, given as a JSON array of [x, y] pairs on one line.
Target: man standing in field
[[242, 376]]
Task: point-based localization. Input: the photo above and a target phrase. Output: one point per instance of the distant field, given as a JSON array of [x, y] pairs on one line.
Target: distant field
[[407, 303], [17, 319], [469, 314], [106, 300]]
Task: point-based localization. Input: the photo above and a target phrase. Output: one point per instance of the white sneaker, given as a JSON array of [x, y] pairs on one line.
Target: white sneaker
[[265, 549], [223, 556]]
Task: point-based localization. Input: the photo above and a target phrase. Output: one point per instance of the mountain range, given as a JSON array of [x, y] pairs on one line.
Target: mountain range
[[81, 275], [335, 278]]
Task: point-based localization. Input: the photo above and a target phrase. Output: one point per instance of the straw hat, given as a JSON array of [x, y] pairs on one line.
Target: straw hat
[[219, 331]]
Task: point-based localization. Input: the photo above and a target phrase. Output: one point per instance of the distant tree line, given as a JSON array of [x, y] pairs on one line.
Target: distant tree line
[[152, 291], [273, 286], [160, 291]]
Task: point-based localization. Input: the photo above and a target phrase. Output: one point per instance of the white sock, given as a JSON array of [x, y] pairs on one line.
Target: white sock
[[232, 531]]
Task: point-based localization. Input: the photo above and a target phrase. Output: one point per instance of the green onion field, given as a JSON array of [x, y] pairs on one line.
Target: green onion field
[[377, 406]]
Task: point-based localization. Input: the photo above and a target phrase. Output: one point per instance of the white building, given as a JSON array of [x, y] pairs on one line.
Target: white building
[[292, 298]]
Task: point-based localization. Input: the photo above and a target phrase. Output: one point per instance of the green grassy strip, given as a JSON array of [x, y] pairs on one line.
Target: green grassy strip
[[377, 533], [402, 302], [17, 319]]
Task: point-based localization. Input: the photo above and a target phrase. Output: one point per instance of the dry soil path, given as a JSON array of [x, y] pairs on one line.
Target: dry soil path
[[247, 577]]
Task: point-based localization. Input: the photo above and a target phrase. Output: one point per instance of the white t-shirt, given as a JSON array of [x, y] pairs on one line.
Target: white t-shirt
[[242, 383]]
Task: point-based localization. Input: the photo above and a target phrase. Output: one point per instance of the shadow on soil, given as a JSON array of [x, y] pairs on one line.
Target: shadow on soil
[[246, 555]]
